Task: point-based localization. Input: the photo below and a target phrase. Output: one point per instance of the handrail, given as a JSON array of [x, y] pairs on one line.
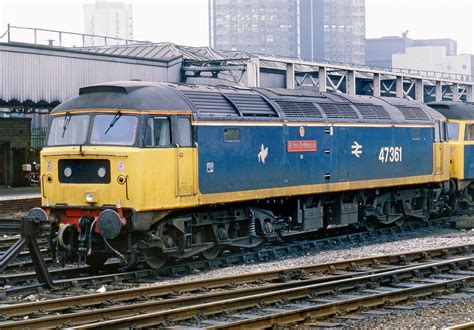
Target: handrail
[[62, 33]]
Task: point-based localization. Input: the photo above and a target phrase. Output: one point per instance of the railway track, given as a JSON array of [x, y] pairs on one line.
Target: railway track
[[9, 226], [340, 239], [466, 326], [259, 299], [7, 242]]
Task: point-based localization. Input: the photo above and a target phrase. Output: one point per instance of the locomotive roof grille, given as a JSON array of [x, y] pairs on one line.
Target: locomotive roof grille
[[211, 104], [412, 113], [294, 109], [251, 105], [338, 111], [370, 111], [239, 103], [230, 104]]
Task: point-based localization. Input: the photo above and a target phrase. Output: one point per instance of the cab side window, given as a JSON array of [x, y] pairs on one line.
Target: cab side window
[[184, 132], [469, 133], [158, 132], [453, 131]]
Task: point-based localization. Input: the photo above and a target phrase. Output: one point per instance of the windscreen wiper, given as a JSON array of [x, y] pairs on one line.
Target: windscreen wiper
[[67, 120], [114, 120]]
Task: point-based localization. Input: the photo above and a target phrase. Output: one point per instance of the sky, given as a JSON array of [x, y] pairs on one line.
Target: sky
[[185, 22]]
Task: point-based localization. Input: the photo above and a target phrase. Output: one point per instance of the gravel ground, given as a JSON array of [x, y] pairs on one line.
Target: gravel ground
[[432, 238], [446, 314]]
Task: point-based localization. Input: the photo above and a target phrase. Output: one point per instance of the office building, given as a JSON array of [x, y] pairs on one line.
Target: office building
[[266, 27], [379, 51], [314, 30], [333, 30], [435, 60], [110, 19]]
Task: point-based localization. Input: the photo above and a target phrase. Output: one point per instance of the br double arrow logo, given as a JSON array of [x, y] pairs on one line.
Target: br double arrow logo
[[356, 149]]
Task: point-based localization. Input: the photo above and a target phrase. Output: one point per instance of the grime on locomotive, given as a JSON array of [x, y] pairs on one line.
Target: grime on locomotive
[[151, 171], [103, 165]]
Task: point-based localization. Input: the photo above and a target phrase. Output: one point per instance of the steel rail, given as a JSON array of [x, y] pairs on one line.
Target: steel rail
[[9, 226], [468, 325], [297, 292], [349, 305], [108, 308], [5, 243], [213, 283], [162, 291]]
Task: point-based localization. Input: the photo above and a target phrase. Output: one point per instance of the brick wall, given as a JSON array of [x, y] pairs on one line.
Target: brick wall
[[15, 133], [18, 206]]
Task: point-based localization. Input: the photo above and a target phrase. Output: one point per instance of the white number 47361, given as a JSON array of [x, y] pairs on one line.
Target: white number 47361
[[391, 154]]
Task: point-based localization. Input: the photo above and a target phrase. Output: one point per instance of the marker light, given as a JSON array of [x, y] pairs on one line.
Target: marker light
[[101, 172], [89, 197], [67, 172]]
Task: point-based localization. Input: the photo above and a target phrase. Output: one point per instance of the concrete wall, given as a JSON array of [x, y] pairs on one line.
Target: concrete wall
[[15, 138]]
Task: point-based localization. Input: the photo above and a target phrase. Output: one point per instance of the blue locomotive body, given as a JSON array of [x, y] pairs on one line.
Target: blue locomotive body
[[324, 155]]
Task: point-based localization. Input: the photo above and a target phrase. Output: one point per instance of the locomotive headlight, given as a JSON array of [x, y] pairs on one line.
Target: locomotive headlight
[[68, 172], [90, 197], [101, 172]]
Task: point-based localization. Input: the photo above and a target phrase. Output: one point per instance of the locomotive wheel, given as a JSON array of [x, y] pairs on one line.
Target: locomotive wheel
[[258, 247], [370, 224], [96, 261], [400, 222], [155, 258], [211, 253]]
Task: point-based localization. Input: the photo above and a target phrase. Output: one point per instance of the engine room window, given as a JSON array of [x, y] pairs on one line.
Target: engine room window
[[232, 135], [114, 129], [68, 130], [453, 131], [469, 134], [416, 134], [158, 132], [184, 132]]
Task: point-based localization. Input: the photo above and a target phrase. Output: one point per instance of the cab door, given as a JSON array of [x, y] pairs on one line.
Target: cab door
[[186, 162], [439, 147]]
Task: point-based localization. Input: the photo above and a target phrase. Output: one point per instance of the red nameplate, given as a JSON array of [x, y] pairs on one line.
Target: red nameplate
[[302, 146]]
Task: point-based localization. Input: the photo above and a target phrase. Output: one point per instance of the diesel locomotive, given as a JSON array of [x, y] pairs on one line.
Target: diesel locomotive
[[154, 171]]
